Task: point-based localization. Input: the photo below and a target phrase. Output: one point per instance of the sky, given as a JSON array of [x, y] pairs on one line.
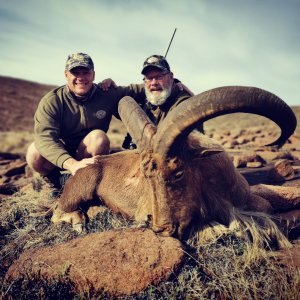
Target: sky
[[217, 42]]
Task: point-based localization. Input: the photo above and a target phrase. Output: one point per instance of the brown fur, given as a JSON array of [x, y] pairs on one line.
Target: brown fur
[[197, 186]]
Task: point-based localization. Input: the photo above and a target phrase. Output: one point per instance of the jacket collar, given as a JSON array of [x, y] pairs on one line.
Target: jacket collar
[[82, 99]]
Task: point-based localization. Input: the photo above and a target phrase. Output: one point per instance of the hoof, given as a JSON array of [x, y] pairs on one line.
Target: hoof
[[78, 227], [75, 217]]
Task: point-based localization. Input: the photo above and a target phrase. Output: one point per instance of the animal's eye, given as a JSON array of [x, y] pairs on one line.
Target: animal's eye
[[154, 165], [178, 174]]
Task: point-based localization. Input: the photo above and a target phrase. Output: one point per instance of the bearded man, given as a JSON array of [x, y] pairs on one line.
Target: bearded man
[[163, 93]]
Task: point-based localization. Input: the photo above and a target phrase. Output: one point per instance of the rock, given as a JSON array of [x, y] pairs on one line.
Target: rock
[[293, 143], [5, 162], [4, 180], [296, 169], [242, 140], [16, 168], [254, 164], [12, 174], [241, 160], [270, 156], [119, 262], [257, 130], [282, 170], [13, 184], [264, 139], [282, 198], [226, 133], [8, 189], [229, 144], [296, 155], [237, 132], [7, 155], [217, 136]]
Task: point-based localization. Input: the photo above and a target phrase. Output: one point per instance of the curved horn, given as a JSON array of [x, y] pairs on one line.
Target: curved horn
[[220, 101], [136, 122]]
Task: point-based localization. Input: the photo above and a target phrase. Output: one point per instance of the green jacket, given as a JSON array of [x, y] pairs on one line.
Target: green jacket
[[61, 121]]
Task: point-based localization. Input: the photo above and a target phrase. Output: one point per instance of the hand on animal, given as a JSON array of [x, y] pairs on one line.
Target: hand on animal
[[74, 165], [106, 84]]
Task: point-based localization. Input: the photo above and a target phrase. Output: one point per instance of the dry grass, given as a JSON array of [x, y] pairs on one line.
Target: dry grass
[[15, 142], [228, 267]]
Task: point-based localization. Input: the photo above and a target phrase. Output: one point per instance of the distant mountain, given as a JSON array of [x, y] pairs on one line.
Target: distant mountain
[[18, 102]]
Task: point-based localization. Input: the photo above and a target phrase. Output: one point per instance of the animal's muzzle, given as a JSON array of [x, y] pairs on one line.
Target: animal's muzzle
[[166, 230]]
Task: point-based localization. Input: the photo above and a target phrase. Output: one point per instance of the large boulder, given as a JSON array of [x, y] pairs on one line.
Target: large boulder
[[282, 170], [280, 197], [118, 262]]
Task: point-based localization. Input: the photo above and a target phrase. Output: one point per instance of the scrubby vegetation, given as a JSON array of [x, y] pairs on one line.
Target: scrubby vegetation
[[227, 268]]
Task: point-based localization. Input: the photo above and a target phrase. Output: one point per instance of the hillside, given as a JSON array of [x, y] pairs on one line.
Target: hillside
[[18, 100]]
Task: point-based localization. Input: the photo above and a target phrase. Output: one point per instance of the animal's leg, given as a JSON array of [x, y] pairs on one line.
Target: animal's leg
[[76, 218], [80, 188]]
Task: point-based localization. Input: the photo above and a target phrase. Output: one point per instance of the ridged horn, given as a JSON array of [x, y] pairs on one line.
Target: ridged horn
[[136, 122], [220, 101]]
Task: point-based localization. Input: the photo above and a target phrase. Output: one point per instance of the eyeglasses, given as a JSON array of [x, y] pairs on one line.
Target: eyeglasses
[[157, 77]]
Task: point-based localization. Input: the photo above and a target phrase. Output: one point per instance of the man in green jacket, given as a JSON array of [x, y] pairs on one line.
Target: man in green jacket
[[71, 122]]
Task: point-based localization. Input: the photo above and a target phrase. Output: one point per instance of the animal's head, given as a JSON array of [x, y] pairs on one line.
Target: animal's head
[[173, 160]]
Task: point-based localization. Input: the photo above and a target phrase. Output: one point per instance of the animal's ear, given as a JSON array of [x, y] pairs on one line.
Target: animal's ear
[[210, 151]]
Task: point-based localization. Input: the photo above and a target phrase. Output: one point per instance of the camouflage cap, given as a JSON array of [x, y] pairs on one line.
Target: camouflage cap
[[79, 60], [156, 61]]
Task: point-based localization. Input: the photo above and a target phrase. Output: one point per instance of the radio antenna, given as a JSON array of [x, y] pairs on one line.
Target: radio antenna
[[170, 42]]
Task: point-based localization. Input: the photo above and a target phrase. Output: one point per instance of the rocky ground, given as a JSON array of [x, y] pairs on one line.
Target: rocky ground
[[242, 135]]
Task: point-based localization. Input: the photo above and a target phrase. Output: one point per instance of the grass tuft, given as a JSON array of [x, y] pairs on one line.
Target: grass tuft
[[224, 266]]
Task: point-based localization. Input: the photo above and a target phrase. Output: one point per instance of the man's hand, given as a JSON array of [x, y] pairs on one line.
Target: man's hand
[[106, 84], [74, 165]]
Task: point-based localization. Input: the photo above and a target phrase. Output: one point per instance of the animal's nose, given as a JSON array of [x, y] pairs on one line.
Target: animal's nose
[[165, 230]]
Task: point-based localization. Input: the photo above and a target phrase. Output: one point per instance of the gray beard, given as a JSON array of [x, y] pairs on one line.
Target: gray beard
[[158, 99]]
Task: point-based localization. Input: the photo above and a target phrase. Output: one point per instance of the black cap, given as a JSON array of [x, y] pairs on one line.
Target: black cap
[[156, 61]]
